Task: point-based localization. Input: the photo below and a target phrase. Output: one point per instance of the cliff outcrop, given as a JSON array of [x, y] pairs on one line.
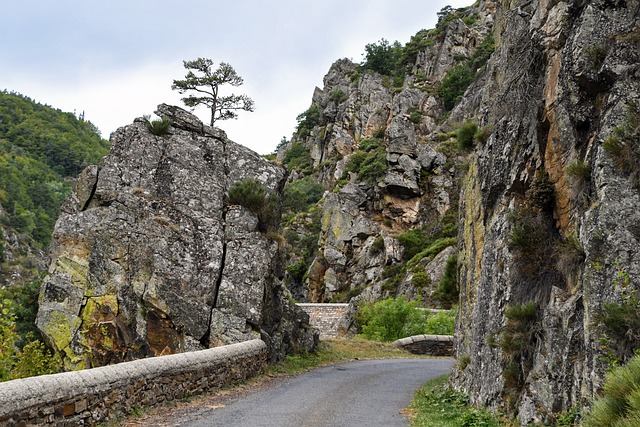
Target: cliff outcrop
[[376, 143], [549, 209], [150, 258], [536, 151]]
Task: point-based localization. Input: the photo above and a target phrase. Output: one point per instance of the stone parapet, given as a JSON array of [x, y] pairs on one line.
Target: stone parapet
[[95, 395], [325, 317], [433, 345]]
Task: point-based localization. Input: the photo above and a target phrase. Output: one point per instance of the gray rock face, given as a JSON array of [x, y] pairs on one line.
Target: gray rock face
[[418, 184], [149, 259], [560, 81]]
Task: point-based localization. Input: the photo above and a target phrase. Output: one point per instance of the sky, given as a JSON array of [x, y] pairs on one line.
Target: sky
[[116, 60]]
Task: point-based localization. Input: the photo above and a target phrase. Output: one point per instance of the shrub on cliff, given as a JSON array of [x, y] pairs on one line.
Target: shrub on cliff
[[158, 127], [619, 404], [251, 194], [301, 194]]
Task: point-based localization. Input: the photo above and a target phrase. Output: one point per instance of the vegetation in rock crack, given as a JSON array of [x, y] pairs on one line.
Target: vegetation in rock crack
[[394, 318], [297, 158], [458, 78], [205, 82], [301, 194], [251, 194], [466, 136], [369, 162], [307, 120], [619, 403], [622, 145], [448, 291], [620, 321], [517, 340], [579, 174], [158, 127]]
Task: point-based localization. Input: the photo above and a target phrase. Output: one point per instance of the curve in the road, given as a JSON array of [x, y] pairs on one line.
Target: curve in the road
[[362, 393]]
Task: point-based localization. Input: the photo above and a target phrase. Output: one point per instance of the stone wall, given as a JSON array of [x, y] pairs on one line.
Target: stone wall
[[325, 317], [94, 395], [433, 345]]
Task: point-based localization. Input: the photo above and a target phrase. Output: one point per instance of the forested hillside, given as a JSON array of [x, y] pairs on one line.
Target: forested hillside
[[41, 150]]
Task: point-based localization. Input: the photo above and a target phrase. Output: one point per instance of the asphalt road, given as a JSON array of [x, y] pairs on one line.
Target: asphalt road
[[367, 393]]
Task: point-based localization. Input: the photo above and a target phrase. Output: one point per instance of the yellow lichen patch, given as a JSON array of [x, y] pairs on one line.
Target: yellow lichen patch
[[76, 269], [473, 233], [60, 329], [99, 329]]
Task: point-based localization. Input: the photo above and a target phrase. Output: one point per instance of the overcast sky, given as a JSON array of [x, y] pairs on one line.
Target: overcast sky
[[115, 60]]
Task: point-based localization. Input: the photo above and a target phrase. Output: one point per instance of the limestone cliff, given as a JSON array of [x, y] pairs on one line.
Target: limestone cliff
[[149, 258]]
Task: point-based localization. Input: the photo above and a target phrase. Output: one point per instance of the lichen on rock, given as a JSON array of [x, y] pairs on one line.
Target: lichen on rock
[[144, 259]]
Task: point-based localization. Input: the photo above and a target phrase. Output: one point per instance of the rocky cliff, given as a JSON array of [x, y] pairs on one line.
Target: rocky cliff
[[550, 204], [376, 142], [149, 257], [536, 151]]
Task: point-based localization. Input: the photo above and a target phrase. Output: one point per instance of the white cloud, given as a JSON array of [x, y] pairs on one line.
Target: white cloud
[[116, 62]]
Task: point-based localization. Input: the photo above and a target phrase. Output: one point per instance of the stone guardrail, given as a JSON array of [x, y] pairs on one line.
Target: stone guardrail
[[433, 345], [94, 395], [325, 317]]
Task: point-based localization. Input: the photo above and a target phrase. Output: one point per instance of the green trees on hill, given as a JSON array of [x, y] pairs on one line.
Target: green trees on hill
[[40, 149]]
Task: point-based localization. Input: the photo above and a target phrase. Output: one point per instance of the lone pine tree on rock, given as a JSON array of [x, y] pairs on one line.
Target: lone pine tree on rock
[[205, 82]]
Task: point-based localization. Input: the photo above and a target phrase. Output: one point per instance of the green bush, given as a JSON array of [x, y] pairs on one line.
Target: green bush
[[453, 85], [391, 319], [415, 116], [517, 341], [297, 157], [369, 165], [307, 120], [421, 279], [622, 145], [620, 321], [458, 78], [251, 194], [441, 323], [466, 136], [448, 291], [384, 58], [413, 241], [299, 195], [432, 250], [579, 174], [33, 359], [619, 404], [437, 404], [377, 246], [338, 96], [158, 127]]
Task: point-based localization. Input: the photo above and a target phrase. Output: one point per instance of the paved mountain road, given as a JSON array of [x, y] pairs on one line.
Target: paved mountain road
[[362, 393]]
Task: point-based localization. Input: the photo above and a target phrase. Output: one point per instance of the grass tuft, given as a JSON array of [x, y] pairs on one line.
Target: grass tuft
[[436, 404]]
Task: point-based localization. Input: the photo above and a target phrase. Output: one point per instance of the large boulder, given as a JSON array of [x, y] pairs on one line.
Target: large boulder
[[148, 258]]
